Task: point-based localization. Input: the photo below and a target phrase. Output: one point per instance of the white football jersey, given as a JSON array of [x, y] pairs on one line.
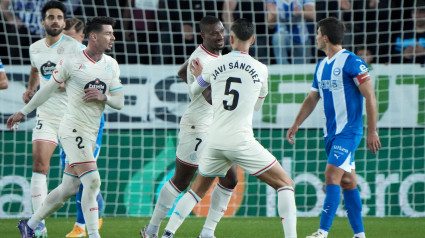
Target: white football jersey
[[199, 112], [44, 58], [80, 72], [237, 81]]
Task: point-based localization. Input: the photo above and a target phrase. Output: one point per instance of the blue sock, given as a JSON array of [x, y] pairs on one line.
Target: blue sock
[[80, 216], [99, 200], [330, 206], [353, 205]]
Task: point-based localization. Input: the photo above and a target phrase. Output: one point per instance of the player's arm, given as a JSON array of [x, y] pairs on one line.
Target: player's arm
[[373, 142], [200, 83], [39, 98], [183, 71], [4, 82], [263, 92], [306, 109], [115, 100], [33, 83]]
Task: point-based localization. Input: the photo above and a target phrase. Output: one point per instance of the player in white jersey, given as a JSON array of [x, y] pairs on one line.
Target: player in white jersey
[[341, 81], [89, 76], [44, 55], [193, 129], [238, 86]]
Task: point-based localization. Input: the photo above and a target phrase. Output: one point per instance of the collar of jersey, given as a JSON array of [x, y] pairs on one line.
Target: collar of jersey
[[239, 52], [55, 44], [90, 59], [334, 57], [202, 47]]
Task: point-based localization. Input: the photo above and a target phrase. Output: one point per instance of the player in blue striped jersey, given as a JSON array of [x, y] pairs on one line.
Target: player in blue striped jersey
[[342, 81]]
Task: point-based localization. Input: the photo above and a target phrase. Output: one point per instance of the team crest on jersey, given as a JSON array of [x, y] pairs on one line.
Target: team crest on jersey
[[98, 84], [337, 71], [60, 50], [108, 68], [47, 69]]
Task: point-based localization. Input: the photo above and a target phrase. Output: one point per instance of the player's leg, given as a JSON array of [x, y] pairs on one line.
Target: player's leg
[[44, 142], [276, 177], [353, 203], [259, 162], [168, 194], [186, 166], [56, 198], [212, 164], [220, 198], [340, 161]]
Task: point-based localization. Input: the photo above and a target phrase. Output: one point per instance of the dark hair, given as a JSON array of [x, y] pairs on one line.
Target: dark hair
[[243, 29], [96, 24], [53, 4], [74, 22], [333, 28], [207, 21]]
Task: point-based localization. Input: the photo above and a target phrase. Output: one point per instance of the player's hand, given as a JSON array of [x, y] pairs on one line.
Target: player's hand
[[93, 94], [13, 121], [373, 142], [26, 97], [291, 133], [196, 67]]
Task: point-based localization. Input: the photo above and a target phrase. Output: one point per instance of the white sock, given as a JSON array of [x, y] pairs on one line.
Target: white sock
[[219, 200], [166, 198], [55, 199], [91, 183], [38, 190], [182, 210], [360, 235], [324, 233], [287, 211], [80, 225], [95, 234]]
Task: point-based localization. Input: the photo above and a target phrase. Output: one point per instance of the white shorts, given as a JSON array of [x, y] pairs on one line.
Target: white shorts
[[255, 160], [77, 144], [190, 147], [46, 131]]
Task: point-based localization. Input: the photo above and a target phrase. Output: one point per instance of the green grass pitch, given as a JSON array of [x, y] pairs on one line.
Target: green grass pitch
[[121, 227]]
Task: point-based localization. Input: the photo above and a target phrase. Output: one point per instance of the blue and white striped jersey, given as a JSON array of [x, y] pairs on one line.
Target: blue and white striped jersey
[[337, 80]]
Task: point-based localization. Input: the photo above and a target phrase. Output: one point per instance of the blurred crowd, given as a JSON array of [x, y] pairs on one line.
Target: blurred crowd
[[167, 31]]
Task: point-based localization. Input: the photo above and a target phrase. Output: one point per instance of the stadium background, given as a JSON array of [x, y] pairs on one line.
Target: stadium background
[[138, 148]]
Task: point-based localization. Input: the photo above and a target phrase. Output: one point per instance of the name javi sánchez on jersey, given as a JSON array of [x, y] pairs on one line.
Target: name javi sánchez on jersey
[[236, 65]]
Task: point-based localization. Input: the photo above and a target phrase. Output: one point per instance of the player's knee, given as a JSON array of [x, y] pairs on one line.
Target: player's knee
[[348, 183], [229, 182], [182, 183]]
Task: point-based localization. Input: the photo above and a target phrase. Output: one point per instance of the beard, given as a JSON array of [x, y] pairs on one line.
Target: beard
[[53, 32]]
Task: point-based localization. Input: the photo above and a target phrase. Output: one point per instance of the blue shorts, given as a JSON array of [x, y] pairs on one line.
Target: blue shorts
[[340, 150]]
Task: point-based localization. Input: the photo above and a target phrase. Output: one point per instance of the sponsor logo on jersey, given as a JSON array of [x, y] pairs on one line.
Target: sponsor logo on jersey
[[47, 69], [98, 84], [331, 85]]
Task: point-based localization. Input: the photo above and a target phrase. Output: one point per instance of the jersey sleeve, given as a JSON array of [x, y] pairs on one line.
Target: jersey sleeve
[[116, 82], [315, 85], [1, 66], [357, 69], [264, 87], [61, 72]]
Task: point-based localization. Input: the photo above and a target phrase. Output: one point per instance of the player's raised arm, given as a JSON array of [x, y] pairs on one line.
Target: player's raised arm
[[306, 109], [373, 142]]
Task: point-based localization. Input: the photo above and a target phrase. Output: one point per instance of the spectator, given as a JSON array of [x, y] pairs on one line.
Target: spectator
[[411, 42], [366, 54], [292, 39], [140, 26], [4, 82], [254, 12]]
